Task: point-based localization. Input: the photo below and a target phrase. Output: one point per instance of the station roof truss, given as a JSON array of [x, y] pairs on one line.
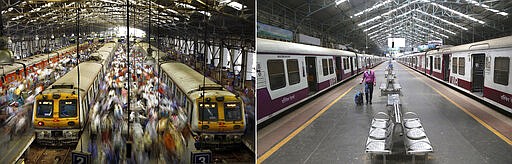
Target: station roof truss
[[365, 24], [232, 19]]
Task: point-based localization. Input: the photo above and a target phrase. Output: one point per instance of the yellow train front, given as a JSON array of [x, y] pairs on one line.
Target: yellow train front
[[218, 118], [56, 119], [215, 117], [61, 110]]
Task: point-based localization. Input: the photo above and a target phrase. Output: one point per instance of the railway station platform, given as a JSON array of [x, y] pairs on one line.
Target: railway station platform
[[15, 148], [333, 129]]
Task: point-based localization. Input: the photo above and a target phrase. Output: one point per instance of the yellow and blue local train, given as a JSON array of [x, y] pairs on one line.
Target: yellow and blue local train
[[60, 112], [215, 116]]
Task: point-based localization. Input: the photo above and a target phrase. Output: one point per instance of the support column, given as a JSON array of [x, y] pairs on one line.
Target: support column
[[243, 70]]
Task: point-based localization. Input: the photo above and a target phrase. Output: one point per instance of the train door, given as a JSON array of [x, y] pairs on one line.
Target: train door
[[351, 66], [312, 77], [446, 67], [431, 61], [478, 72], [339, 70]]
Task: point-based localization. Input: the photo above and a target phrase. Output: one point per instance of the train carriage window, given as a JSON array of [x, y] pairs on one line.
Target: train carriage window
[[345, 64], [454, 65], [208, 112], [331, 67], [462, 66], [67, 108], [44, 109], [325, 67], [501, 70], [292, 66], [276, 74], [437, 63], [232, 112]]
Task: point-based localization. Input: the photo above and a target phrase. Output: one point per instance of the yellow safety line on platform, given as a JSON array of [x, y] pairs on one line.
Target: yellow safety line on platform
[[466, 111], [298, 130]]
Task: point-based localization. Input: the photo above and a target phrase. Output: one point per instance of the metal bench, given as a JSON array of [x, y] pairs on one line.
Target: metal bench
[[415, 139], [380, 136], [383, 86], [394, 99], [397, 86]]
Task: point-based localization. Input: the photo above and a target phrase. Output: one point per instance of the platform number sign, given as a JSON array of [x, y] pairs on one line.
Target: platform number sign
[[201, 156], [81, 157]]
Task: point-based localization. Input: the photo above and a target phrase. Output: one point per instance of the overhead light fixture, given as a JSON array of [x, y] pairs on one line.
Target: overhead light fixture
[[458, 13], [486, 7], [372, 8], [401, 7], [432, 31], [451, 32], [368, 21], [433, 16], [205, 13], [340, 1]]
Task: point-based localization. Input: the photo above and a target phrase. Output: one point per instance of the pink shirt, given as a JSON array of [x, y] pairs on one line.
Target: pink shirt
[[369, 76]]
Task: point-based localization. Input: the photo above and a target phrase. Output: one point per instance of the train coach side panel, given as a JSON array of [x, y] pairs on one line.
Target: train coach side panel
[[275, 101], [500, 93]]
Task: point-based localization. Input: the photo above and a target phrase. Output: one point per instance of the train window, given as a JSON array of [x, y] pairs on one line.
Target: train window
[[462, 66], [208, 112], [454, 65], [44, 109], [276, 74], [325, 67], [437, 63], [331, 67], [232, 112], [292, 65], [345, 63], [501, 70]]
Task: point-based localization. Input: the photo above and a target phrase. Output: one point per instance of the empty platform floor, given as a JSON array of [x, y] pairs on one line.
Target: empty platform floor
[[460, 129]]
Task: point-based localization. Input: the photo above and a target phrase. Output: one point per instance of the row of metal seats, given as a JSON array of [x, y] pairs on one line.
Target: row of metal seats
[[382, 127]]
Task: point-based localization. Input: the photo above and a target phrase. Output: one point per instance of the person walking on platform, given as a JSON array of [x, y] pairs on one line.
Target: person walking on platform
[[368, 79]]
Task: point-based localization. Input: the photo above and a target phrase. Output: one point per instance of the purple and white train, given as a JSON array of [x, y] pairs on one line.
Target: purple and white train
[[482, 68], [290, 73]]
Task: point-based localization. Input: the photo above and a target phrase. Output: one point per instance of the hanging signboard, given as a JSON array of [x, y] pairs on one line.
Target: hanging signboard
[[265, 30], [309, 39]]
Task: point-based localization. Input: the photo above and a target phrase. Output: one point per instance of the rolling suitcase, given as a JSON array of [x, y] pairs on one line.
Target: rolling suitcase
[[358, 98]]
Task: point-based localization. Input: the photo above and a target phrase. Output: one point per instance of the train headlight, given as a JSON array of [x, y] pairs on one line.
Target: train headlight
[[40, 134], [207, 137], [40, 123], [71, 123], [205, 127], [229, 137], [236, 127], [68, 134], [236, 137]]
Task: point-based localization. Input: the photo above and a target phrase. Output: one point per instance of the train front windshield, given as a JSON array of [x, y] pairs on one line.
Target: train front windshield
[[208, 112], [68, 108], [232, 112], [44, 109]]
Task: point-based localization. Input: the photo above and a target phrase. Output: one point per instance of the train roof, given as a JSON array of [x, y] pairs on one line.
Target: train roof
[[280, 47], [34, 59], [502, 42], [107, 47], [88, 72], [186, 78]]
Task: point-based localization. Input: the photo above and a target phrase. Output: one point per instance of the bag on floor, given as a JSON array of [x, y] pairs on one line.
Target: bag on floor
[[358, 98]]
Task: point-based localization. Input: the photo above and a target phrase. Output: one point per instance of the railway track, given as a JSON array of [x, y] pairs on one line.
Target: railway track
[[44, 154], [236, 155]]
